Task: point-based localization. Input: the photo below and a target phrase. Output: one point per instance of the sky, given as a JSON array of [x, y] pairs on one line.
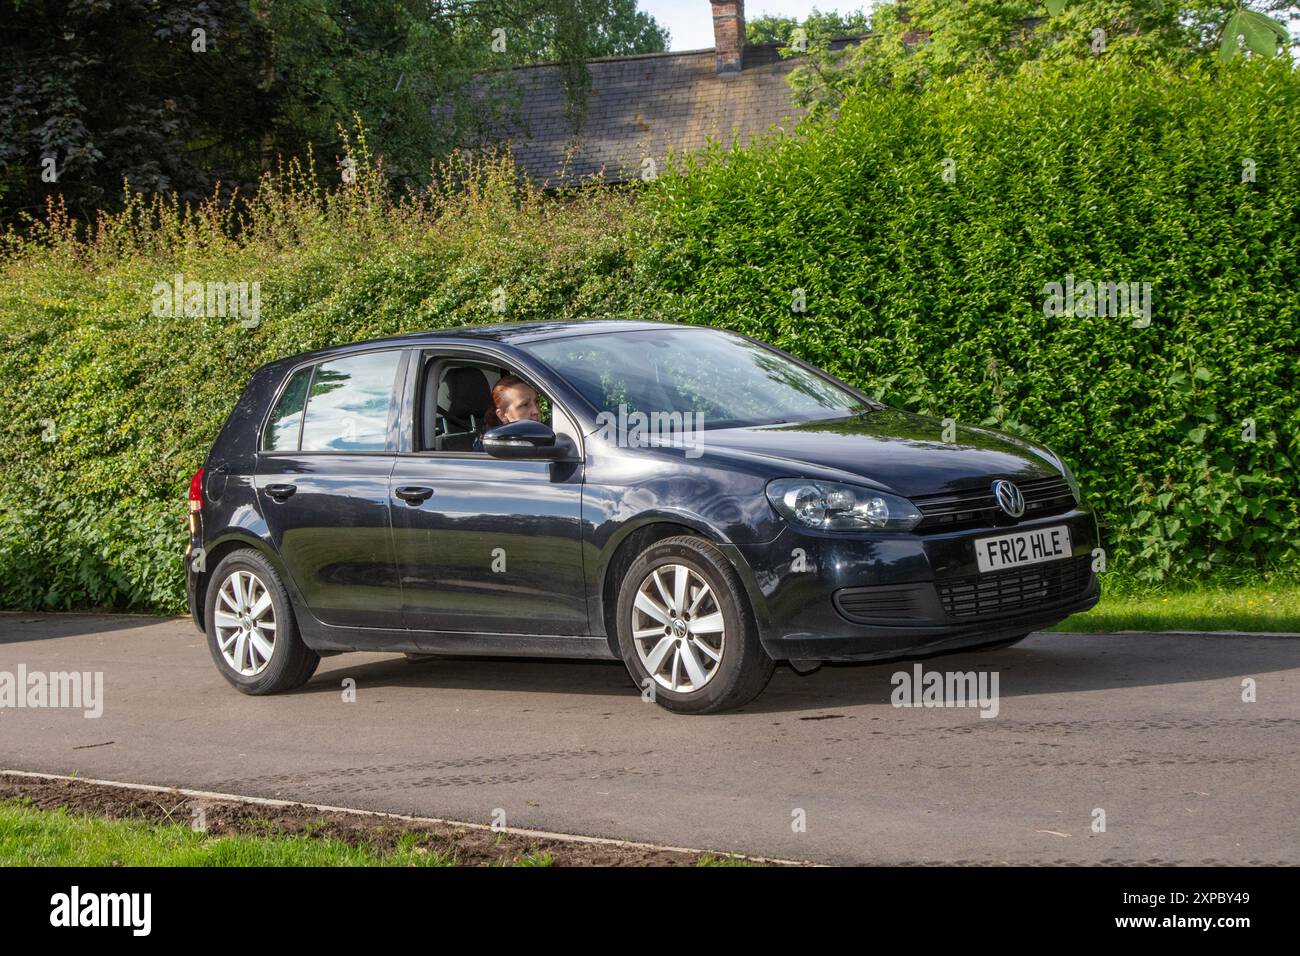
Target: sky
[[691, 21]]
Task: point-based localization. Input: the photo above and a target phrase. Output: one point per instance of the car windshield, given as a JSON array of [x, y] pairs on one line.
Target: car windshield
[[726, 380]]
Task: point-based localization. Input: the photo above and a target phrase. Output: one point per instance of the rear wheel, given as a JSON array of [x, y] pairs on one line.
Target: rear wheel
[[686, 631], [252, 634]]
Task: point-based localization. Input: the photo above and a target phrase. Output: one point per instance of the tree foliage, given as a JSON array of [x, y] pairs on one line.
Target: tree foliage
[[920, 42], [774, 28], [175, 95]]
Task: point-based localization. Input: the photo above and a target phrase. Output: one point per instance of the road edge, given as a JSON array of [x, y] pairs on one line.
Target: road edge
[[407, 818]]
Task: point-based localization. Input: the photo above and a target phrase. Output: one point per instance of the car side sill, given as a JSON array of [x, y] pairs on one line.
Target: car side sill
[[383, 640]]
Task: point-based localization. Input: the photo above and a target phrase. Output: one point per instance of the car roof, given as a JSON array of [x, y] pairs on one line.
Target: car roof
[[504, 333]]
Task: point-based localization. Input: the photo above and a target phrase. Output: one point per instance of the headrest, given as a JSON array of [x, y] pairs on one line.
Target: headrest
[[467, 392]]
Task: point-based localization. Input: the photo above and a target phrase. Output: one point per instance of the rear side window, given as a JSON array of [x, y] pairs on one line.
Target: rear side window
[[348, 407], [286, 421]]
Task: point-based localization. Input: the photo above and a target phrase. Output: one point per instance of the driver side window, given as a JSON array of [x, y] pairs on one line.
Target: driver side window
[[455, 403]]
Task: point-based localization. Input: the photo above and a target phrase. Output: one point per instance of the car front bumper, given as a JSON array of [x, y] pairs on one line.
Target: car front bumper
[[841, 597]]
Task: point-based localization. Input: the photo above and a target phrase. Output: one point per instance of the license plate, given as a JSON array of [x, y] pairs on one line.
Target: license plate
[[1022, 548]]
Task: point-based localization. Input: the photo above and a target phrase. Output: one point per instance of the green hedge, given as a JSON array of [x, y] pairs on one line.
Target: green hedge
[[929, 292], [95, 517], [926, 292]]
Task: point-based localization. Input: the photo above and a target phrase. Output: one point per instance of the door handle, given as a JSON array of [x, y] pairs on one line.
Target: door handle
[[414, 494], [281, 492]]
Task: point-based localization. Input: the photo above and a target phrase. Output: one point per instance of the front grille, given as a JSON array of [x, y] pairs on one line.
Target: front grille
[[978, 508], [897, 605], [1005, 592]]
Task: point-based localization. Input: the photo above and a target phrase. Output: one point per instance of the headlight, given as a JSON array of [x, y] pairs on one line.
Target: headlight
[[832, 506]]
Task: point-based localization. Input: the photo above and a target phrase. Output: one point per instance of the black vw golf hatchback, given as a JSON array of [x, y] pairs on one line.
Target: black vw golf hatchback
[[688, 500]]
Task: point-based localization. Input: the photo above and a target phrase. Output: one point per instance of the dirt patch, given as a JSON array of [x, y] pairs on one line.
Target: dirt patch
[[469, 846]]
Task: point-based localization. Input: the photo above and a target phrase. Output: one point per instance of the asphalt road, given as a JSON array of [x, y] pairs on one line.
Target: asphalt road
[[1150, 729]]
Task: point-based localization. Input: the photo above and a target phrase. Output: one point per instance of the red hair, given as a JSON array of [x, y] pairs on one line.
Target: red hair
[[490, 418]]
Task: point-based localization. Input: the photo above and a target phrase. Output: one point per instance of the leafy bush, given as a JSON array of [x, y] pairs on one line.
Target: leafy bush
[[110, 409]]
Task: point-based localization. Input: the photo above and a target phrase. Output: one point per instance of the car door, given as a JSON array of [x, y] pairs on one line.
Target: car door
[[328, 449], [484, 544]]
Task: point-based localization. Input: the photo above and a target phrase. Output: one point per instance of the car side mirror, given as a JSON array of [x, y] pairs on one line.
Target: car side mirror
[[526, 439]]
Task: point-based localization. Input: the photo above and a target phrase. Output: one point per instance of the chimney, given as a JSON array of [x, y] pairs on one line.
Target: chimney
[[728, 35]]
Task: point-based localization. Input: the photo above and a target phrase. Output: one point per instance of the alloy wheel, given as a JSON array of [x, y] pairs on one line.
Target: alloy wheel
[[677, 628], [245, 621]]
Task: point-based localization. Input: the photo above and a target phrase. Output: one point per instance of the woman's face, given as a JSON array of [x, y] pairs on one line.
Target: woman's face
[[519, 402]]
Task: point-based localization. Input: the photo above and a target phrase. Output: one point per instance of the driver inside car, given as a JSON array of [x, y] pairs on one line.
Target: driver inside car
[[513, 400]]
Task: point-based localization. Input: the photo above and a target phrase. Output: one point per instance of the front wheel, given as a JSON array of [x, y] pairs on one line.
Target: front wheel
[[686, 631]]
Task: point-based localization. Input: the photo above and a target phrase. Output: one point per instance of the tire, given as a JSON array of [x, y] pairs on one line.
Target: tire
[[290, 663], [999, 645], [687, 678]]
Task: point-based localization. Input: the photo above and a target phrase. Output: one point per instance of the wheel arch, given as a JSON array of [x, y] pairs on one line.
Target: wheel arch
[[635, 538], [240, 541]]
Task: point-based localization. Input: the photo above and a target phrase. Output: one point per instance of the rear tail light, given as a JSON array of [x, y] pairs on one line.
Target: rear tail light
[[194, 547], [196, 491]]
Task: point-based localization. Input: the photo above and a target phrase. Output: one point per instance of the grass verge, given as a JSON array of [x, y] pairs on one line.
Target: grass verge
[[1255, 607], [55, 822], [33, 837]]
